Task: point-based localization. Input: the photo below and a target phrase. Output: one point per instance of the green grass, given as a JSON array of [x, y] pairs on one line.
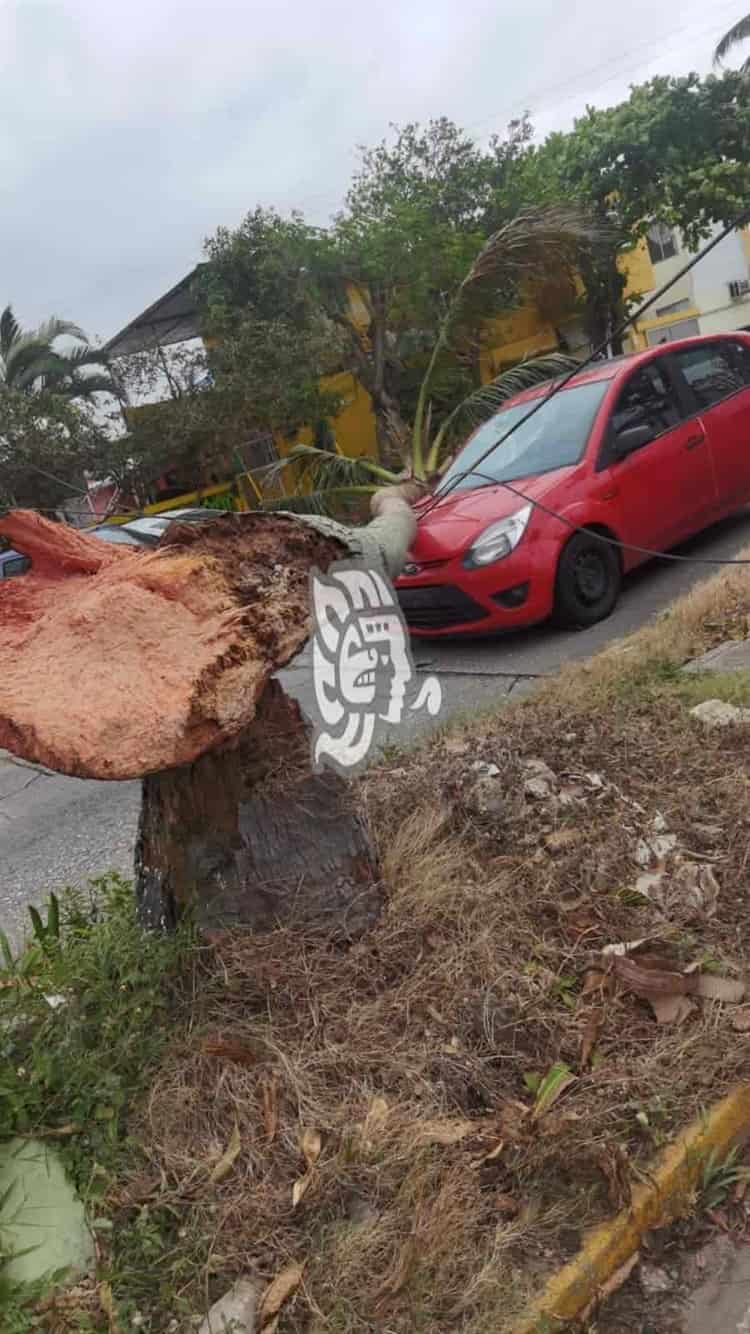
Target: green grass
[[71, 1071], [695, 687]]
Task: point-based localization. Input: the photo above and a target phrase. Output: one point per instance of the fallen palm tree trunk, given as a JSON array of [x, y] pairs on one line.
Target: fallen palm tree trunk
[[121, 664]]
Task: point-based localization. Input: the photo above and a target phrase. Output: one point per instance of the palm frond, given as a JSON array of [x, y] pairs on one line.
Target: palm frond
[[30, 362], [534, 247], [54, 328], [83, 386], [325, 470], [10, 330], [739, 32], [485, 401], [327, 501], [85, 355]]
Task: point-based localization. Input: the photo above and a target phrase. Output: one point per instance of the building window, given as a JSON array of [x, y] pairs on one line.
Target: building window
[[673, 308], [669, 333], [660, 241]]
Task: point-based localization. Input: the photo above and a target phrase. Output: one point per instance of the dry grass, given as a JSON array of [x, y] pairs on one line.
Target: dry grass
[[468, 987]]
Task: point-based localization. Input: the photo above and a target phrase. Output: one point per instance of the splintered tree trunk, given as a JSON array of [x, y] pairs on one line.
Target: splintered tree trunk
[[248, 835]]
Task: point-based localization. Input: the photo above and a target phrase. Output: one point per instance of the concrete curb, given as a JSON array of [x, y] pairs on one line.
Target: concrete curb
[[667, 1194]]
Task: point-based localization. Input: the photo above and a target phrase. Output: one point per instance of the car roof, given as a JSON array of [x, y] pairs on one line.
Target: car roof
[[615, 367]]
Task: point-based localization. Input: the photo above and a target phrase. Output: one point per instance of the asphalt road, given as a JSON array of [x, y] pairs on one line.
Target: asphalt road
[[56, 831]]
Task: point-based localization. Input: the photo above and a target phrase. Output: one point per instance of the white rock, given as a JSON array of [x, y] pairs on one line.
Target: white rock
[[653, 1279], [659, 824], [537, 788], [234, 1313], [649, 884], [486, 770], [718, 713], [595, 780]]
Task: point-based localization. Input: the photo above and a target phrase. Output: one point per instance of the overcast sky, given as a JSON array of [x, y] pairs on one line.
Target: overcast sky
[[131, 129]]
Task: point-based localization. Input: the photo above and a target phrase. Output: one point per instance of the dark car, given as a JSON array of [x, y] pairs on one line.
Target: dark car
[[149, 528], [12, 562]]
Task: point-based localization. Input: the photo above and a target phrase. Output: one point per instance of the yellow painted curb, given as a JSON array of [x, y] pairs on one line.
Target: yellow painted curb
[[668, 1193]]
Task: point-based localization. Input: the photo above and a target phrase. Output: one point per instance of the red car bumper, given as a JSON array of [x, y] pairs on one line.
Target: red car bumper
[[445, 598]]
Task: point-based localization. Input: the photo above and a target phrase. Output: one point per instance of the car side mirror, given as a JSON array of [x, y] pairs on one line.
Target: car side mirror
[[631, 439]]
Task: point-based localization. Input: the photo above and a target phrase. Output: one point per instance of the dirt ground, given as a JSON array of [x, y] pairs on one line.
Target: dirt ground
[[431, 1115]]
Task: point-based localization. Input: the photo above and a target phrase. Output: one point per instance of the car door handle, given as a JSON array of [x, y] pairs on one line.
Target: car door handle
[[693, 441]]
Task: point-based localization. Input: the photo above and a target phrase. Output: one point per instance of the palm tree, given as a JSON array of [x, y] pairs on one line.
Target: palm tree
[[739, 32], [533, 249], [30, 361]]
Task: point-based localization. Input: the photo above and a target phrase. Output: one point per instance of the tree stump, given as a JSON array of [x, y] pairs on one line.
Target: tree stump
[[248, 835]]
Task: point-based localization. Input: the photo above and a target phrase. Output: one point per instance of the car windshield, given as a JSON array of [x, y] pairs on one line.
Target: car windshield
[[554, 437], [115, 535]]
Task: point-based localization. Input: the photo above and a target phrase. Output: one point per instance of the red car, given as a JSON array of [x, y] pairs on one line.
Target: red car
[[645, 449]]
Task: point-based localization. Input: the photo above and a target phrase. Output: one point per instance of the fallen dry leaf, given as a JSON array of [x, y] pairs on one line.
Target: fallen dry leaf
[[593, 980], [445, 1131], [741, 1020], [613, 1163], [228, 1049], [674, 1009], [591, 1034], [719, 988], [311, 1144], [277, 1293], [560, 839], [301, 1187], [226, 1162]]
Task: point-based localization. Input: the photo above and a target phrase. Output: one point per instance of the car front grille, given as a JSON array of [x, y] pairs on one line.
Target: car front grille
[[437, 606]]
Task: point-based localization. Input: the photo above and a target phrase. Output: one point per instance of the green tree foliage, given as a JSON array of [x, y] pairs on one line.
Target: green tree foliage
[[47, 444], [677, 150], [269, 339], [419, 209]]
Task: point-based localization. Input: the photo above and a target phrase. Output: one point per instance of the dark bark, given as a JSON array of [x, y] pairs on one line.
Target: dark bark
[[248, 836]]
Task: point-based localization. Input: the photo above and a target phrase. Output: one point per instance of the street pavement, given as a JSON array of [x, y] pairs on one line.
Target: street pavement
[[56, 831]]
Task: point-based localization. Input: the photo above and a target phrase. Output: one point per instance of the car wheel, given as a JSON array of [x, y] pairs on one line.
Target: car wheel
[[588, 581]]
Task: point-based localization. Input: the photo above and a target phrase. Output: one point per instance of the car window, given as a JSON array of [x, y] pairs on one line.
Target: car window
[[741, 358], [151, 527], [553, 437], [115, 535], [18, 565], [647, 399], [710, 371]]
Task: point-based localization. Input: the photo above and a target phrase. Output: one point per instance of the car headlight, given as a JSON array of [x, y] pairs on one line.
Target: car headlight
[[499, 539]]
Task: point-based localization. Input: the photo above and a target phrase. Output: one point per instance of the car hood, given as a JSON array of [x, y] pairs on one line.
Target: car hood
[[459, 519]]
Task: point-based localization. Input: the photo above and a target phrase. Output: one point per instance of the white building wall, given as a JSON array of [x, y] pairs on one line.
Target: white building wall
[[704, 290], [711, 277]]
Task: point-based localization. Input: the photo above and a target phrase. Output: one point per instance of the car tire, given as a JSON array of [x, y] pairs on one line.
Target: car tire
[[588, 581]]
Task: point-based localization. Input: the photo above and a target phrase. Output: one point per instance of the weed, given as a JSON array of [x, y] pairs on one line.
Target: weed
[[84, 1014], [718, 1176]]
